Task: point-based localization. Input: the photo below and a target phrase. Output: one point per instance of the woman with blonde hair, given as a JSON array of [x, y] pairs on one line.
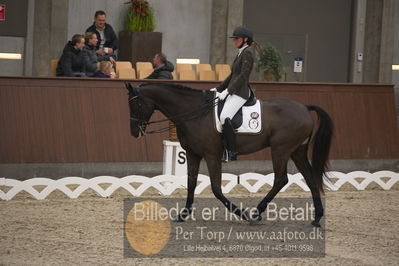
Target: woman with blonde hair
[[105, 70], [90, 56]]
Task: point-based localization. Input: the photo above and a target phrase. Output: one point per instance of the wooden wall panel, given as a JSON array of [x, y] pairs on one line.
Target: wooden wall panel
[[60, 120]]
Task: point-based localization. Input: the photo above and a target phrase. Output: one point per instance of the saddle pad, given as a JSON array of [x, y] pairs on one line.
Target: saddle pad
[[251, 119]]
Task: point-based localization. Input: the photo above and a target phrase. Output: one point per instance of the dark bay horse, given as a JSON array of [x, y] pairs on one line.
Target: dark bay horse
[[287, 129]]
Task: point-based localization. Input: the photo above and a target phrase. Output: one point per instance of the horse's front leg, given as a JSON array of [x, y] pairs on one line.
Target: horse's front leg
[[215, 173], [193, 163]]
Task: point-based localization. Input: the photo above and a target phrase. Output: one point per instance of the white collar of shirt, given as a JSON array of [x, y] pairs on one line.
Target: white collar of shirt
[[242, 49]]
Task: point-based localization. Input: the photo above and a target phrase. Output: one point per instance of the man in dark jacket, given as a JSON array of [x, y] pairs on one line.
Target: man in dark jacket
[[162, 68], [71, 63], [107, 40], [91, 58]]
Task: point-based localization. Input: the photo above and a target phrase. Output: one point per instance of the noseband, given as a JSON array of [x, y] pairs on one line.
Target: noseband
[[142, 124]]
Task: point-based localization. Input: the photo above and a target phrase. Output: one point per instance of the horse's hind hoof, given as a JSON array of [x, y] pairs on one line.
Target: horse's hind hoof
[[255, 219], [178, 219], [316, 224]]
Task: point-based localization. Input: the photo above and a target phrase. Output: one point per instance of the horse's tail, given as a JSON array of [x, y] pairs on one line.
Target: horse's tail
[[321, 145]]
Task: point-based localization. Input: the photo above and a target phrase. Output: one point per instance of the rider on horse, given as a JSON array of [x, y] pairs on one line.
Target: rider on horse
[[235, 89]]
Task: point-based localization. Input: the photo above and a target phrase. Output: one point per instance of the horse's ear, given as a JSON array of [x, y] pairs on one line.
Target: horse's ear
[[129, 86], [136, 91]]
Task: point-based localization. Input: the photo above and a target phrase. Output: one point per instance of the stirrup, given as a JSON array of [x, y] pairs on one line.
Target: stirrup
[[229, 156]]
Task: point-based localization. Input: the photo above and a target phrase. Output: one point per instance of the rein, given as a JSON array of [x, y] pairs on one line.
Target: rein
[[197, 113]]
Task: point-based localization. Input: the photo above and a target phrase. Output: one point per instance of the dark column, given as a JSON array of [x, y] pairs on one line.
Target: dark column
[[378, 44], [226, 15], [219, 31], [50, 33]]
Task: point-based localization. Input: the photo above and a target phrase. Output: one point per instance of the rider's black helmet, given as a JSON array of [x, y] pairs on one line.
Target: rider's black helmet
[[242, 32]]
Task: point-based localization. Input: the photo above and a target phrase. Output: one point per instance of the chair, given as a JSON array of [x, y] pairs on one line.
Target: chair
[[223, 74], [207, 75], [181, 67], [143, 65], [143, 73], [187, 75], [127, 73], [203, 67], [54, 64], [220, 67], [122, 64]]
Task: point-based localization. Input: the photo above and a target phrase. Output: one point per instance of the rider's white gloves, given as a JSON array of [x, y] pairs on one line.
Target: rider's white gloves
[[213, 89], [223, 94]]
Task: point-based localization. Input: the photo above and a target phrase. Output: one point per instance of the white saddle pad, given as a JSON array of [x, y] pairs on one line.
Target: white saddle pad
[[251, 119]]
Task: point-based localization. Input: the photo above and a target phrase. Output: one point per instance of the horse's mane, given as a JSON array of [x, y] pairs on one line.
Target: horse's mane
[[172, 85]]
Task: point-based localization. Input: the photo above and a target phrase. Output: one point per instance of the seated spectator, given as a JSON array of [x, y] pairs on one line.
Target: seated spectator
[[107, 40], [71, 63], [162, 68], [91, 58], [104, 70]]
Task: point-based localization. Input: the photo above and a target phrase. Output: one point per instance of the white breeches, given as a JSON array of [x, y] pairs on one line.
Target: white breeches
[[231, 106]]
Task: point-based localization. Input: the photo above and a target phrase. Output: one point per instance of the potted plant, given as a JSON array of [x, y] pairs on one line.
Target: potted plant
[[140, 16], [270, 62], [138, 42]]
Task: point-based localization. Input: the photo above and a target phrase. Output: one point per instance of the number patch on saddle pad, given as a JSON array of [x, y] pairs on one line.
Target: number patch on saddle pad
[[249, 123]]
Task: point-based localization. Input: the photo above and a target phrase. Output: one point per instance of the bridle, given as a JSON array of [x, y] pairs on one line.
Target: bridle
[[142, 124]]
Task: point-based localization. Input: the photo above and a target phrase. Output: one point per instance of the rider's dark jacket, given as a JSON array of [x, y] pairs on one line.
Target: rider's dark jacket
[[237, 81]]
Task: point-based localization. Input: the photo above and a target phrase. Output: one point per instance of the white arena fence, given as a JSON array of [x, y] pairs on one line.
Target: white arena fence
[[167, 184]]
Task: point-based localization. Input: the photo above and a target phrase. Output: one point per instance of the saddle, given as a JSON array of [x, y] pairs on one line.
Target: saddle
[[237, 120]]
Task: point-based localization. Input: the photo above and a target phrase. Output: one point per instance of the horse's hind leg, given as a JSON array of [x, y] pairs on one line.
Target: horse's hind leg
[[299, 156], [215, 173], [280, 159], [193, 163]]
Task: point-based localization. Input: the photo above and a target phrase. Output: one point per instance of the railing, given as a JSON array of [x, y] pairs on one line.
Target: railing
[[67, 120], [166, 184]]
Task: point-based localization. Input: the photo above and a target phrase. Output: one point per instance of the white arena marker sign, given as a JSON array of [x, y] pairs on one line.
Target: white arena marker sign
[[174, 159]]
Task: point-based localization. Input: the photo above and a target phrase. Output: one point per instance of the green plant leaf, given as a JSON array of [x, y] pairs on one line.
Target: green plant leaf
[[270, 58], [137, 22]]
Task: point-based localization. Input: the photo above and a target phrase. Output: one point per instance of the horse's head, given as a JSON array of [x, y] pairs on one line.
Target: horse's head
[[140, 111]]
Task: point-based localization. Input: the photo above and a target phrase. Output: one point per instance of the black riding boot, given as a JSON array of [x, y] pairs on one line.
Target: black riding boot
[[229, 142]]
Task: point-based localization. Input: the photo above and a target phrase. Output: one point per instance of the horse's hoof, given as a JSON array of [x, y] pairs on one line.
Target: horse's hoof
[[316, 224], [255, 219], [179, 219]]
